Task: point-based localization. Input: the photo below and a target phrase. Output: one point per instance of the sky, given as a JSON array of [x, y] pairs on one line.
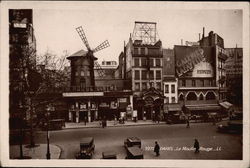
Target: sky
[[55, 27]]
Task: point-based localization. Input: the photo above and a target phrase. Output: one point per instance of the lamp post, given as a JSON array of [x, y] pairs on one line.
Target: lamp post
[[48, 149]]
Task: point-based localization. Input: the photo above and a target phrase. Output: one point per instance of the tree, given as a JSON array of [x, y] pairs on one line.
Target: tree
[[40, 81]]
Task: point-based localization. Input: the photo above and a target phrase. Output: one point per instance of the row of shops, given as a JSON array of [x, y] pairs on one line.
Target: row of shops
[[122, 104]]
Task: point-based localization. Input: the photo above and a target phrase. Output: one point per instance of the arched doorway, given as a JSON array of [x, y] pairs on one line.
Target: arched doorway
[[191, 96], [201, 97], [210, 96], [181, 97]]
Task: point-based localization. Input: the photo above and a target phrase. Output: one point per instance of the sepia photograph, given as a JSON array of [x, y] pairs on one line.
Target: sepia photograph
[[134, 83]]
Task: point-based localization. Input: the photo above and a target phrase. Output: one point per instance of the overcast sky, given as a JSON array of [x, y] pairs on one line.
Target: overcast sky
[[55, 27]]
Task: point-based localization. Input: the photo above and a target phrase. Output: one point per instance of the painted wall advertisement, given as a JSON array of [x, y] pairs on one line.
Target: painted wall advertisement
[[195, 61]]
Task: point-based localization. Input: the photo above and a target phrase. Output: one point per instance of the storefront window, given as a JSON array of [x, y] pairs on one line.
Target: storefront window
[[193, 83], [167, 99]]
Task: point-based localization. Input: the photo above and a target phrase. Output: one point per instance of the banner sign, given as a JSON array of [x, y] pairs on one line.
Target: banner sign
[[194, 61]]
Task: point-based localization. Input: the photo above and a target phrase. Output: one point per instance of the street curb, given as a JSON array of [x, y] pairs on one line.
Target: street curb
[[60, 150], [114, 126]]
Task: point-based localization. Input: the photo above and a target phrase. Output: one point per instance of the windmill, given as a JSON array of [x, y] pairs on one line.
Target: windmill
[[90, 55]]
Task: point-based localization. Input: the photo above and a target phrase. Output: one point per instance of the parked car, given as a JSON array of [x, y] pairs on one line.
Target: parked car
[[230, 126], [87, 148], [109, 155], [132, 141], [134, 153]]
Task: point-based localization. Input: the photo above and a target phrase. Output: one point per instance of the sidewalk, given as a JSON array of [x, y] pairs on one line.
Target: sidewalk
[[38, 152], [97, 124]]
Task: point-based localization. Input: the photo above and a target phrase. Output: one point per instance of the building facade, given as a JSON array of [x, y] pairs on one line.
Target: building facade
[[234, 67], [22, 62], [201, 74], [86, 104]]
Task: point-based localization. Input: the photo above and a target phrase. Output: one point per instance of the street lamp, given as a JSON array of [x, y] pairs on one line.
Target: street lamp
[[48, 149]]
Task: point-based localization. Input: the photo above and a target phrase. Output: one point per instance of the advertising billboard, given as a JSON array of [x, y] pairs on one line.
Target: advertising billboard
[[195, 61]]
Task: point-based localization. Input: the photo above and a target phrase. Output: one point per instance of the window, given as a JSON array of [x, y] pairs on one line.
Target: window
[[76, 73], [137, 86], [82, 73], [166, 88], [158, 74], [144, 86], [142, 51], [151, 74], [143, 62], [151, 62], [172, 88], [157, 62], [87, 73], [136, 62], [173, 100], [183, 82], [136, 51], [193, 83], [210, 82], [108, 63], [202, 83], [151, 84], [158, 85], [137, 74], [144, 74], [167, 99]]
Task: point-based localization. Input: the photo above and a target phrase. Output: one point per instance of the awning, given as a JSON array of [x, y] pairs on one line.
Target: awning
[[203, 107], [226, 105], [172, 107]]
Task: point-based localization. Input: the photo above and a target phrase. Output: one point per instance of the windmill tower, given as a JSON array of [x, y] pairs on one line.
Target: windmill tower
[[88, 61]]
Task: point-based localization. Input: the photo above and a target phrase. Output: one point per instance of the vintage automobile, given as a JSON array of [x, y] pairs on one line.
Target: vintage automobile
[[232, 126], [109, 155], [132, 141], [134, 153], [87, 148]]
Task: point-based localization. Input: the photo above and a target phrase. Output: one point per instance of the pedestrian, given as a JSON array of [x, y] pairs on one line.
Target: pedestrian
[[157, 149], [158, 118], [196, 146], [188, 126], [85, 120]]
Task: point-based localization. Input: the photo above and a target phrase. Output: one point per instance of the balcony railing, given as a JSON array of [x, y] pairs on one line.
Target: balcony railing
[[93, 89]]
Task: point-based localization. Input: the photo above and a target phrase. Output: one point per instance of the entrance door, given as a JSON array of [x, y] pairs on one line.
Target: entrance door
[[148, 113], [83, 115]]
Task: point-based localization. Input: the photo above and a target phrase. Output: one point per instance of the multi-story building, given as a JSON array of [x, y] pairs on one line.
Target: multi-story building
[[170, 84], [106, 100], [233, 68], [201, 74], [22, 60], [142, 67]]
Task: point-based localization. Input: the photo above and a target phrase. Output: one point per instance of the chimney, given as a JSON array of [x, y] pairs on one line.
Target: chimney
[[203, 34]]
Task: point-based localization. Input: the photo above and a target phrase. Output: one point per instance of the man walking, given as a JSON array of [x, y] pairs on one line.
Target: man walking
[[157, 149], [196, 146], [188, 126]]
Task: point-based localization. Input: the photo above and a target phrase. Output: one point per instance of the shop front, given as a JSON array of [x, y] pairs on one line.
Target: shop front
[[203, 111], [150, 105], [173, 112]]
